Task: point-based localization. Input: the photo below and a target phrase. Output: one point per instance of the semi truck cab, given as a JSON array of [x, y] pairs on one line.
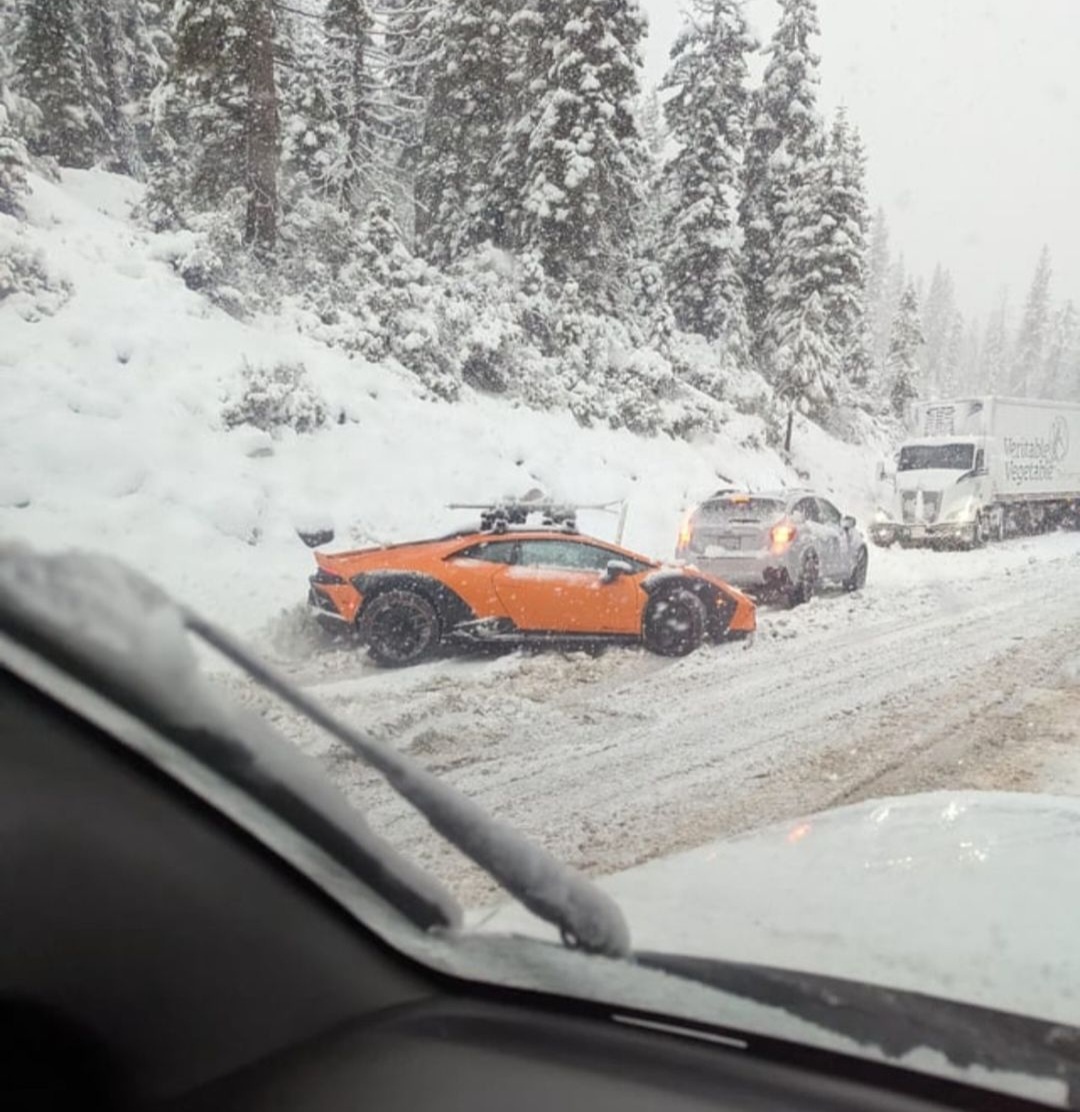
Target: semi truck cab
[[937, 492]]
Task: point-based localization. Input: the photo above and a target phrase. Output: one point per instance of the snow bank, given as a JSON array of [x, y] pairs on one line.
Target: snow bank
[[114, 437]]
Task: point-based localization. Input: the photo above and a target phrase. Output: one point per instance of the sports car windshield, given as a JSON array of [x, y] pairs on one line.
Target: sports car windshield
[[939, 457], [572, 396]]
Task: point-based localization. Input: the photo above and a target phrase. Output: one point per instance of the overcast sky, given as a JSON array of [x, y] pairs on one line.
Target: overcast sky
[[971, 114]]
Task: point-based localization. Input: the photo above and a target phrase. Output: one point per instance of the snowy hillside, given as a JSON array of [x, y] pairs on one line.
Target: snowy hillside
[[116, 377]]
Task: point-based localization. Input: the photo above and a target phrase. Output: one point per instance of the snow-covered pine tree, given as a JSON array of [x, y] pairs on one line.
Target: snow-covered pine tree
[[938, 317], [14, 160], [904, 344], [783, 131], [1061, 368], [217, 139], [879, 311], [350, 77], [952, 363], [994, 355], [465, 123], [804, 362], [56, 70], [1031, 340], [411, 29], [111, 56], [706, 115], [802, 272], [573, 165], [312, 150], [842, 237]]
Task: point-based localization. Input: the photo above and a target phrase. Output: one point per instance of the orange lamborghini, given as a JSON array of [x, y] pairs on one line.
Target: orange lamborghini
[[518, 585]]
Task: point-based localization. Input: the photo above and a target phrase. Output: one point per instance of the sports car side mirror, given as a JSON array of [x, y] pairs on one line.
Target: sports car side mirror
[[614, 569], [848, 522]]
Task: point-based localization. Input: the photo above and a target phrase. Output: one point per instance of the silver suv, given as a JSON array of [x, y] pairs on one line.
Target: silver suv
[[782, 543]]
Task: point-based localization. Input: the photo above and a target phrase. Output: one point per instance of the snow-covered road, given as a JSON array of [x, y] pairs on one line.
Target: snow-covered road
[[951, 670]]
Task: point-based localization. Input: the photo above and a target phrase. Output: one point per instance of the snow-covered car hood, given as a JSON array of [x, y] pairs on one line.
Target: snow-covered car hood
[[970, 896]]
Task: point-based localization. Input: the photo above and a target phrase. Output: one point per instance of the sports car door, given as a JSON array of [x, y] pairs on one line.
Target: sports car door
[[558, 586]]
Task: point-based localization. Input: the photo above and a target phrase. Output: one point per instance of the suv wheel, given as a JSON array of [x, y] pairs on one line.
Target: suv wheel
[[804, 589], [674, 623], [400, 627]]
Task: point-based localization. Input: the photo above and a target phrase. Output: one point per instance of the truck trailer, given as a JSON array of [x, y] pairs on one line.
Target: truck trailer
[[980, 469]]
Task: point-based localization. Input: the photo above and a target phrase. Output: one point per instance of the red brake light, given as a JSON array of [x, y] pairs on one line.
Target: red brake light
[[782, 536]]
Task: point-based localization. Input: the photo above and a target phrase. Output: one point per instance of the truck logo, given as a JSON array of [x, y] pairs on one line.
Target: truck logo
[[1059, 439]]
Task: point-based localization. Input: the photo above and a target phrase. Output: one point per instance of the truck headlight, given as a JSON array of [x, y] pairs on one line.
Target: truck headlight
[[880, 516], [964, 514]]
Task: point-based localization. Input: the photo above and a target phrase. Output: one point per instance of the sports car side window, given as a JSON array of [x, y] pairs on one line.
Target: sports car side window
[[564, 554], [492, 552]]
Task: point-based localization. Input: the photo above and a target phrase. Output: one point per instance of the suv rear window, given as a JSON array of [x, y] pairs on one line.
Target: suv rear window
[[738, 510]]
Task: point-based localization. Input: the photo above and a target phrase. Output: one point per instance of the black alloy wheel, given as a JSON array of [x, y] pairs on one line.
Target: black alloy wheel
[[675, 623], [400, 627]]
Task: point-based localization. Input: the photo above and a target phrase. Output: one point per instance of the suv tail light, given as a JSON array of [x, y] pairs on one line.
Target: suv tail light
[[782, 536], [686, 531]]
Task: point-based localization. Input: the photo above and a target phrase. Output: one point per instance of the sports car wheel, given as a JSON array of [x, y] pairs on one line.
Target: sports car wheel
[[400, 627], [857, 580], [674, 623]]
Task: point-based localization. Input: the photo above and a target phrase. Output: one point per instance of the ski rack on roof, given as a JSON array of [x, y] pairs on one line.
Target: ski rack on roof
[[498, 517]]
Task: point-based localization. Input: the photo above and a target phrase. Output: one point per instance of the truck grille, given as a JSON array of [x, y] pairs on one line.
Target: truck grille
[[931, 506]]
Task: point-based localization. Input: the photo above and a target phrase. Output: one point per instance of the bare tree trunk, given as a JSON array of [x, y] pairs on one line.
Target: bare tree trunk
[[263, 135]]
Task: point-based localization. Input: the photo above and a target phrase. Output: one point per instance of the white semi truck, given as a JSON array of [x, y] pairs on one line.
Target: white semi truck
[[979, 469]]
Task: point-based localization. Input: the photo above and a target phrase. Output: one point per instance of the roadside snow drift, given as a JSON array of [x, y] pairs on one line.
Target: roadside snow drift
[[116, 377]]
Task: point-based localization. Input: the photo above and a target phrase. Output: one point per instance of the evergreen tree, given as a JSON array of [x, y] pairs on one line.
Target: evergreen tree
[[706, 114], [55, 68], [879, 311], [312, 147], [842, 247], [465, 123], [653, 130], [805, 361], [410, 37], [1032, 339], [994, 356], [1061, 369], [952, 364], [783, 133], [14, 160], [938, 319], [349, 26], [218, 130], [576, 160], [904, 345]]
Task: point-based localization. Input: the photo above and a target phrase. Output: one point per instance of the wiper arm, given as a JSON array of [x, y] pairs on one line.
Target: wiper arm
[[896, 1021], [587, 918]]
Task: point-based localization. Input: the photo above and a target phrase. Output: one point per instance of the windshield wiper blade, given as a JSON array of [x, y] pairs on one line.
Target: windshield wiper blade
[[896, 1021], [587, 918]]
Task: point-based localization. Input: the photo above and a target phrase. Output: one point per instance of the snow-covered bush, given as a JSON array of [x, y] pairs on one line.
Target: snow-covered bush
[[274, 398], [25, 283]]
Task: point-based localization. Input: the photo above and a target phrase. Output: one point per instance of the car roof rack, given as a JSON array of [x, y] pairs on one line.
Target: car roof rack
[[501, 516]]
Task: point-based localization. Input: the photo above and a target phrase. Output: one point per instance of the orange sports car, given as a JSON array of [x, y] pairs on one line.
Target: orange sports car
[[515, 585]]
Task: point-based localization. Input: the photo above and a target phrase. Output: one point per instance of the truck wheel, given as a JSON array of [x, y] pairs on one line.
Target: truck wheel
[[674, 623], [807, 584], [857, 580], [400, 627], [982, 531]]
